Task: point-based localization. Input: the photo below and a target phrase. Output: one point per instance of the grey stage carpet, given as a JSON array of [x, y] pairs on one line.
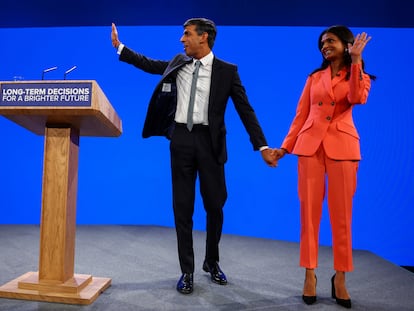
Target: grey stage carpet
[[142, 262]]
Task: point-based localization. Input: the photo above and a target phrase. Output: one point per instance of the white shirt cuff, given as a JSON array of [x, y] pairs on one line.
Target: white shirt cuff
[[120, 48]]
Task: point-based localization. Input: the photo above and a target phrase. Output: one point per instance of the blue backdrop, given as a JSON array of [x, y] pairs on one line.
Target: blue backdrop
[[126, 180]]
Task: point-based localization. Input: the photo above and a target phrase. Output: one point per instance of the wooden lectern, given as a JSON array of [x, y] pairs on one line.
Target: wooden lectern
[[62, 111]]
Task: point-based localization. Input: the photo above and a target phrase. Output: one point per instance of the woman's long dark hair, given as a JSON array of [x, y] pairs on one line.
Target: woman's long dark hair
[[346, 36]]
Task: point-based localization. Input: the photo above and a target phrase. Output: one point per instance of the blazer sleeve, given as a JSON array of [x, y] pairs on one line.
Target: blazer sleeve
[[302, 112], [247, 113], [359, 85], [142, 62]]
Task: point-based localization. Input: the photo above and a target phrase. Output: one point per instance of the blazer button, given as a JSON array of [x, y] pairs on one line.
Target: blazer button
[[320, 103], [333, 103], [328, 118]]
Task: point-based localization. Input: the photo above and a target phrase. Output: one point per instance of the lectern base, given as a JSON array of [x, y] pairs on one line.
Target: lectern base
[[88, 290]]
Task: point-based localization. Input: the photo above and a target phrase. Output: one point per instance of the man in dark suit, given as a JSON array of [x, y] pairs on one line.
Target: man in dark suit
[[198, 138]]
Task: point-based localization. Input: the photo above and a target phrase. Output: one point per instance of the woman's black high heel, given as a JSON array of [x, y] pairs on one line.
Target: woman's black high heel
[[310, 299], [342, 302]]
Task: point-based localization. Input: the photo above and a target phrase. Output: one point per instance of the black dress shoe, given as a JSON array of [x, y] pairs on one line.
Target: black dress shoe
[[217, 276], [346, 303], [185, 283]]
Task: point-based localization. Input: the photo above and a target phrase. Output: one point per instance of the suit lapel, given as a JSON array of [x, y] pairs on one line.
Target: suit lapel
[[327, 81], [176, 63], [215, 74]]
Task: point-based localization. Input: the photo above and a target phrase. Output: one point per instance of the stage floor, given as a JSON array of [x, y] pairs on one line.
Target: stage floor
[[143, 265]]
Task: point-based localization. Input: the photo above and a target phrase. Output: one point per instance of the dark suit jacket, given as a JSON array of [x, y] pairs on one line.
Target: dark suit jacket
[[225, 84]]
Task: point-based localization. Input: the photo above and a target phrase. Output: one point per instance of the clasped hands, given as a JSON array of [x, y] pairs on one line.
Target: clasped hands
[[272, 155]]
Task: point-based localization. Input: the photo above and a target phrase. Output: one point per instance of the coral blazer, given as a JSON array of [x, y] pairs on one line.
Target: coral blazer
[[324, 115]]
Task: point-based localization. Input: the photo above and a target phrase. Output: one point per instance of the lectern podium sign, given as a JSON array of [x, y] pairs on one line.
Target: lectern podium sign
[[46, 94], [62, 111]]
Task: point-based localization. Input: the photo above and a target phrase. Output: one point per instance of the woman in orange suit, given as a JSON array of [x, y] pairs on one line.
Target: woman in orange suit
[[324, 138]]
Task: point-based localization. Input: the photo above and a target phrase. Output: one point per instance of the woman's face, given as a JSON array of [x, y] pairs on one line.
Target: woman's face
[[332, 47]]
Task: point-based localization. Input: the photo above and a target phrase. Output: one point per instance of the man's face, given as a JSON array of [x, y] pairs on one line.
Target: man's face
[[191, 41]]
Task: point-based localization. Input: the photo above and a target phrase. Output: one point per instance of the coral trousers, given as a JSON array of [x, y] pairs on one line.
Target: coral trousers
[[315, 174]]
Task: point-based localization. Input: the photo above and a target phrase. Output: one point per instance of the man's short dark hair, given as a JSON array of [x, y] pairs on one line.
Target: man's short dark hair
[[204, 25]]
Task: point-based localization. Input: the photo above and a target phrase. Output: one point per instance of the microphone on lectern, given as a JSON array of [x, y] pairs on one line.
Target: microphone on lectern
[[68, 71], [47, 70]]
